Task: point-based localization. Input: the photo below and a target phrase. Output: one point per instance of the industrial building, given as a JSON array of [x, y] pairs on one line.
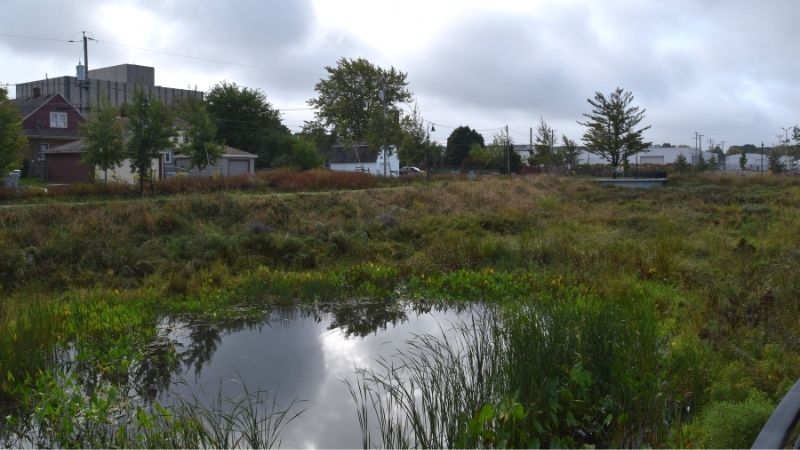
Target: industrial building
[[114, 85]]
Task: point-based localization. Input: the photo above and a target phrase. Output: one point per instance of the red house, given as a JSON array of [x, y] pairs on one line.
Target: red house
[[50, 121]]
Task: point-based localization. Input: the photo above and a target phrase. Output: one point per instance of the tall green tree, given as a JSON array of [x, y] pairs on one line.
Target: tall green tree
[[544, 146], [104, 138], [150, 130], [200, 136], [569, 153], [416, 147], [681, 163], [776, 165], [246, 120], [12, 141], [301, 154], [459, 144], [742, 161], [502, 147], [360, 102], [612, 131]]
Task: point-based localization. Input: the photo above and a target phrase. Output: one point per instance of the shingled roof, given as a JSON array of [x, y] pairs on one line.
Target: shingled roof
[[357, 153], [29, 105]]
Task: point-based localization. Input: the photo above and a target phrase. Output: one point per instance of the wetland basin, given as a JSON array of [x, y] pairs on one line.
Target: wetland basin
[[304, 353]]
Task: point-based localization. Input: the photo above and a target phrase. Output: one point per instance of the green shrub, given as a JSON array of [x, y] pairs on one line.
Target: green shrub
[[731, 424]]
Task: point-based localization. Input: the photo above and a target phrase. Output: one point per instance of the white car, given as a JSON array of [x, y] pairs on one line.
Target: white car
[[410, 170]]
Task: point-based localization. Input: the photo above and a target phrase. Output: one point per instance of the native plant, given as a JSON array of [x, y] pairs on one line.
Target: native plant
[[612, 131], [12, 141], [104, 136]]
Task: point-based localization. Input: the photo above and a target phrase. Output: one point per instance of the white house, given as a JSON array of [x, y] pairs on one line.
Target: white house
[[362, 158]]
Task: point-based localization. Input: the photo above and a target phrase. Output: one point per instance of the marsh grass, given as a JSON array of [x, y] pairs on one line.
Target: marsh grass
[[542, 374], [713, 259], [63, 415]]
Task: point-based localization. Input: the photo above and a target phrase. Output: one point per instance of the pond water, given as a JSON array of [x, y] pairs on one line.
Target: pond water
[[299, 353]]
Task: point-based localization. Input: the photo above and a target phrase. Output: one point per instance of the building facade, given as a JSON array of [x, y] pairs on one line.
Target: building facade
[[114, 85], [48, 121]]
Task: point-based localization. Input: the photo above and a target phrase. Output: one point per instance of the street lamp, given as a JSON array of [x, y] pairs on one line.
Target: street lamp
[[786, 142], [381, 97]]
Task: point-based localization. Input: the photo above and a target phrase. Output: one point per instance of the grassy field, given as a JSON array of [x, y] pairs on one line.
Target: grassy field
[[670, 313]]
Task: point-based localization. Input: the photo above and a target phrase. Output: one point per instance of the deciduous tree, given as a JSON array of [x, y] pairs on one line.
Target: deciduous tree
[[150, 129], [360, 102], [104, 138], [246, 120], [459, 144], [612, 131], [199, 139], [12, 141]]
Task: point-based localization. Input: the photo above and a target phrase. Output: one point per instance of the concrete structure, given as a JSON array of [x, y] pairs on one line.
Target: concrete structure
[[362, 158], [114, 85]]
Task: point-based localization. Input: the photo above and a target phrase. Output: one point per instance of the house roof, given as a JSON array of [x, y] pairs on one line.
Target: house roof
[[229, 152], [71, 147], [358, 153], [30, 105]]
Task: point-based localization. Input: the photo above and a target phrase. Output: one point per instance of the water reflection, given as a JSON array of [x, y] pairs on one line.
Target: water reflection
[[294, 353]]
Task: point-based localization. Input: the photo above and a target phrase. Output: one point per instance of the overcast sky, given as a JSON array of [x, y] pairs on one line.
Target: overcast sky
[[727, 69]]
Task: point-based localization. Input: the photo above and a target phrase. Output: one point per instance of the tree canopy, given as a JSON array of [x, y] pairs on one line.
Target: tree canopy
[[104, 138], [12, 141], [360, 102], [416, 147], [459, 144], [612, 130], [150, 128], [246, 120], [199, 139]]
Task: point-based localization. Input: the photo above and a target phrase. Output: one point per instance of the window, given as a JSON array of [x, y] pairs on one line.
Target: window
[[168, 157], [58, 120]]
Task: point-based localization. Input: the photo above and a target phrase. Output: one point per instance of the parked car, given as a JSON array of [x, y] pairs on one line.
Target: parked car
[[410, 170]]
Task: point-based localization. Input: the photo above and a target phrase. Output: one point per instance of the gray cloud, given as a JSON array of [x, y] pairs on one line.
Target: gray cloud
[[725, 68]]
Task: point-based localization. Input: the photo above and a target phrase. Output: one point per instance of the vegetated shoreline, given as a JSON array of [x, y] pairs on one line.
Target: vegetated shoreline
[[710, 258]]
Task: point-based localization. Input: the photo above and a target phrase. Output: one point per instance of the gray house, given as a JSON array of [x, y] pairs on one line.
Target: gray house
[[232, 162]]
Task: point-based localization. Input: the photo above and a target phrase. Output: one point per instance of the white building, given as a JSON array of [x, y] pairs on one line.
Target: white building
[[362, 158], [653, 155]]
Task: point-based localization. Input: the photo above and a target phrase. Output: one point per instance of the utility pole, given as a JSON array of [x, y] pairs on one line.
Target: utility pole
[[530, 145], [85, 82], [508, 153], [762, 157]]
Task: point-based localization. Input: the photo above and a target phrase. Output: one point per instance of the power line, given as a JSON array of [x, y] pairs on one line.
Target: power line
[[218, 61], [34, 38], [168, 53]]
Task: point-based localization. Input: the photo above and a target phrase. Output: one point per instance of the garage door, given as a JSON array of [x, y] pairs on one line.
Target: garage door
[[238, 166], [66, 168], [651, 160]]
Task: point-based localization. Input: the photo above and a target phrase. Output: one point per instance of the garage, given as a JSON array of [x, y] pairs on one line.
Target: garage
[[66, 168], [238, 166], [651, 159]]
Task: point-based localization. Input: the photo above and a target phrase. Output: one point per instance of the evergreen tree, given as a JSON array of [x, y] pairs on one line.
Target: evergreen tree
[[569, 152], [612, 132], [681, 164], [742, 162]]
